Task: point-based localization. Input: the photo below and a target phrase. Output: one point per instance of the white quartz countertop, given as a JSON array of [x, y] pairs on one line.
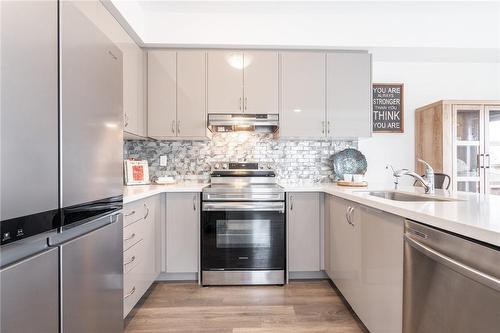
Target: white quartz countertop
[[472, 215], [137, 192]]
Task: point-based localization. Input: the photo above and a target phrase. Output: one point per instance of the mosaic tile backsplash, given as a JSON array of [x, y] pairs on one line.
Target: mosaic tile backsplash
[[294, 160]]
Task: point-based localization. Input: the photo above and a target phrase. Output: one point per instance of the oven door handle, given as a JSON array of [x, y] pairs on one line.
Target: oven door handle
[[239, 206], [242, 196]]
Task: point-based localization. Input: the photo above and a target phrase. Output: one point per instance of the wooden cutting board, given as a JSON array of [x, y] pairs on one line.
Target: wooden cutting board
[[352, 184]]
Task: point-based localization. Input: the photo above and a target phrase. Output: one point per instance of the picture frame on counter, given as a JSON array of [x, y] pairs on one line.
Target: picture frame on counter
[[388, 107], [136, 172]]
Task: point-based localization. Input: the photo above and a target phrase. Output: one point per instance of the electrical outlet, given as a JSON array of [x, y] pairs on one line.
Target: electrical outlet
[[163, 160]]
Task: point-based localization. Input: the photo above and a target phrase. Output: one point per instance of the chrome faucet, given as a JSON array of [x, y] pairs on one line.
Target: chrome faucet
[[427, 182]]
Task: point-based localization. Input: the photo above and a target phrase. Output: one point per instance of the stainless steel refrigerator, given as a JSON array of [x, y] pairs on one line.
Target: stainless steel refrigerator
[[61, 266]]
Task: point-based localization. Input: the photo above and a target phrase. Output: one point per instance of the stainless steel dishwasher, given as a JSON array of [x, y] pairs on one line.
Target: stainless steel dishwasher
[[451, 284]]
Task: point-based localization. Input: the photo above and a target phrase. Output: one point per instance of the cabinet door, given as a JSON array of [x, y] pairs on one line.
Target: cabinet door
[[225, 81], [468, 129], [162, 93], [191, 94], [183, 219], [303, 232], [328, 235], [260, 82], [345, 250], [303, 94], [380, 305], [133, 99], [492, 149], [151, 207], [349, 101]]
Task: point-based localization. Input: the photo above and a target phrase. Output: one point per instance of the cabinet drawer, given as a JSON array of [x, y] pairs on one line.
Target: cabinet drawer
[[131, 290], [133, 256], [133, 211], [136, 281], [133, 233]]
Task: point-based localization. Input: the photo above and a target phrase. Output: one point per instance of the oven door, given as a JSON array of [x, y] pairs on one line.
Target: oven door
[[239, 236]]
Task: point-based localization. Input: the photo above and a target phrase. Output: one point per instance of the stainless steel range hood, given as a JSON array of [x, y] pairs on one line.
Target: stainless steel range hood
[[261, 123]]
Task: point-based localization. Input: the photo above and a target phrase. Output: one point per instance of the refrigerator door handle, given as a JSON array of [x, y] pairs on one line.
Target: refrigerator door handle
[[77, 231]]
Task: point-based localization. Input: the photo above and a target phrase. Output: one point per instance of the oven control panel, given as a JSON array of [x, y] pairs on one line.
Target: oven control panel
[[249, 166]]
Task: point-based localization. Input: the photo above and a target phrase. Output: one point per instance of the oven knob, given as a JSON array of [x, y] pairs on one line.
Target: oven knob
[[217, 166], [224, 166], [269, 166]]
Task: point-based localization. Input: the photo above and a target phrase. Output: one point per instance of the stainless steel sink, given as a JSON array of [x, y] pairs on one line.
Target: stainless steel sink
[[399, 196]]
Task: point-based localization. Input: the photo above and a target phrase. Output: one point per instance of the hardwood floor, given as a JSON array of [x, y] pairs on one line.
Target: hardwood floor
[[301, 306]]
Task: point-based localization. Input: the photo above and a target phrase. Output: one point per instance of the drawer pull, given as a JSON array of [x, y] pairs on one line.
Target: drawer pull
[[132, 291], [130, 261], [130, 214], [147, 211], [129, 238]]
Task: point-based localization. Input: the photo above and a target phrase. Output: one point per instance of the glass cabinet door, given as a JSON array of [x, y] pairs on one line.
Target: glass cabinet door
[[469, 148], [492, 149]]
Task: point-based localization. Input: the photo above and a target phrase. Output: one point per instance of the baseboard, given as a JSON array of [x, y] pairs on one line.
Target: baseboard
[[177, 277], [306, 275], [194, 276]]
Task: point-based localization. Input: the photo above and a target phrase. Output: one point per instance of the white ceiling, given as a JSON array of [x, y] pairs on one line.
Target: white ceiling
[[394, 30]]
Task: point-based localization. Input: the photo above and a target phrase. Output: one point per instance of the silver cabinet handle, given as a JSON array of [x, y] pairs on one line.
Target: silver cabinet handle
[[240, 103], [329, 127], [472, 273], [172, 127], [147, 211], [129, 237], [322, 127], [347, 215], [350, 216], [246, 99], [130, 293], [487, 165], [479, 165], [126, 120], [112, 55], [130, 261], [178, 127], [291, 202], [130, 214], [194, 202]]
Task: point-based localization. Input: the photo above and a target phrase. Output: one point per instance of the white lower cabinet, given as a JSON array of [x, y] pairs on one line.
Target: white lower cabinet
[[365, 261], [140, 244], [304, 244], [182, 234]]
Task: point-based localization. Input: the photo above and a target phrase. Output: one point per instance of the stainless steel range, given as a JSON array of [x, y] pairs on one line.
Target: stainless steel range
[[243, 226]]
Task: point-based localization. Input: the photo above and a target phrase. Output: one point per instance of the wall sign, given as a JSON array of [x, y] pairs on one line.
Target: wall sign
[[388, 108]]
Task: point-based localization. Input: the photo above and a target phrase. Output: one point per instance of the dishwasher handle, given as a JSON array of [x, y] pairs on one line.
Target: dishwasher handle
[[470, 272]]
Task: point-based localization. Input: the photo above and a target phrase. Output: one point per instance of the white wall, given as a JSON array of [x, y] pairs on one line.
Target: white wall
[[424, 84]]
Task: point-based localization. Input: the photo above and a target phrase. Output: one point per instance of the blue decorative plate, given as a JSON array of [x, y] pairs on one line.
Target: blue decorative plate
[[349, 161]]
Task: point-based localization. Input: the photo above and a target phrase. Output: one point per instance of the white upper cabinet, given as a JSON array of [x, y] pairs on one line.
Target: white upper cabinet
[[134, 115], [260, 77], [162, 121], [191, 93], [302, 94], [349, 102], [243, 82], [225, 81]]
